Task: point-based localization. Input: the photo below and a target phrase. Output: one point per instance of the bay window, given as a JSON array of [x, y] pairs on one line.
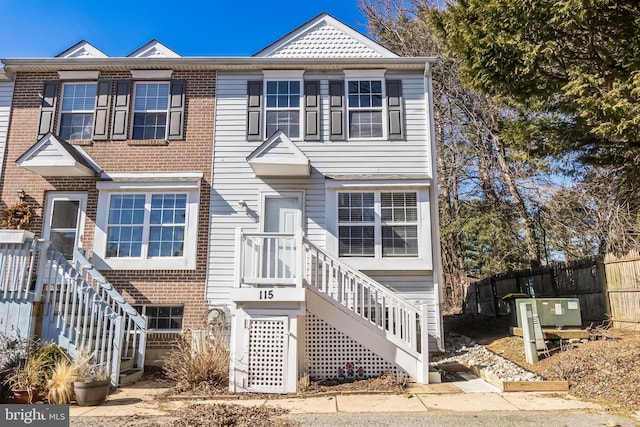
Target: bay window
[[146, 223]]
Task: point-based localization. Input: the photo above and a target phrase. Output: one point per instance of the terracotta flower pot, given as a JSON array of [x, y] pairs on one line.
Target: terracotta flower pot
[[91, 393], [24, 396]]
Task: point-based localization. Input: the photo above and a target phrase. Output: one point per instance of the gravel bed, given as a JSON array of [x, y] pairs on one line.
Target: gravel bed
[[466, 351]]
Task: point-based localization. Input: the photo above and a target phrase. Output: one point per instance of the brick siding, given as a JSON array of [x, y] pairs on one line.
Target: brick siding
[[193, 153]]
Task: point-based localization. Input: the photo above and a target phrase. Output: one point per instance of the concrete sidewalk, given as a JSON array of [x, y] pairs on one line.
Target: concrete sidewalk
[[470, 395]]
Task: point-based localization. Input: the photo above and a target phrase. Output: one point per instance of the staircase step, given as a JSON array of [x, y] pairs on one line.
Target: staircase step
[[130, 376], [126, 363]]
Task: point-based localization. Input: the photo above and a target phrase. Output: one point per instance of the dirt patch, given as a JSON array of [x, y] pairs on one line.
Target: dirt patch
[[382, 384]]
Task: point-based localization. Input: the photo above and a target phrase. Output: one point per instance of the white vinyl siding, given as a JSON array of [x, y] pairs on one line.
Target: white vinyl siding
[[234, 180], [6, 95]]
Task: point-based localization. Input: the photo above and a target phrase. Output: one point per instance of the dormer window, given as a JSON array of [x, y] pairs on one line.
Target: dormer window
[[76, 111]]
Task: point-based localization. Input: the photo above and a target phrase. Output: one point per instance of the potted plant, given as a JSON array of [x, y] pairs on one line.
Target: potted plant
[[92, 380], [26, 381]]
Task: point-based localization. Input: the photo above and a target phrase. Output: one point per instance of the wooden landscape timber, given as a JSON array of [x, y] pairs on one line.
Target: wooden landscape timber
[[556, 334]]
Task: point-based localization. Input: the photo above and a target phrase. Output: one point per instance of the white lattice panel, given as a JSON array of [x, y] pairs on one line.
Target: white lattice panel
[[332, 354], [267, 355]]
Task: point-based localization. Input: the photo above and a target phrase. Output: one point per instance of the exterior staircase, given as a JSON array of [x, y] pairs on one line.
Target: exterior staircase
[[350, 301], [69, 303]]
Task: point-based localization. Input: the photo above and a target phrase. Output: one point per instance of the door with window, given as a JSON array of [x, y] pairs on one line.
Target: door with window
[[282, 214], [64, 221]]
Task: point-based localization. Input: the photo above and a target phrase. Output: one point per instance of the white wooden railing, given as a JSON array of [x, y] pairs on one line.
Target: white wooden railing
[[81, 309], [287, 260], [268, 259], [401, 321]]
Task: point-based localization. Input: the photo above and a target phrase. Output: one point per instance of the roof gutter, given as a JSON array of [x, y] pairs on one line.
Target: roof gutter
[[212, 63]]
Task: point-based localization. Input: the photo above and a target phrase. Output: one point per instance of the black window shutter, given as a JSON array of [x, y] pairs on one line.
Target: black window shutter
[[47, 107], [121, 110], [254, 111], [312, 110], [394, 109], [101, 111], [336, 107], [176, 109]]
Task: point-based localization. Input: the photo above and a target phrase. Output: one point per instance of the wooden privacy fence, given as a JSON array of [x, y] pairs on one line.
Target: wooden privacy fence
[[608, 289], [623, 290]]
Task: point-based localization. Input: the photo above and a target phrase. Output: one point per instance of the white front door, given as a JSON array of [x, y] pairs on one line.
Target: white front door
[[282, 214], [64, 221]]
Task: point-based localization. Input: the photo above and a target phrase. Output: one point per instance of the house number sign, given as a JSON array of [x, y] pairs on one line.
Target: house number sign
[[266, 294]]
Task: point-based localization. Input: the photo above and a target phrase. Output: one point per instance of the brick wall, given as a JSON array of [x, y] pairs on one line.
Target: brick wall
[[193, 153]]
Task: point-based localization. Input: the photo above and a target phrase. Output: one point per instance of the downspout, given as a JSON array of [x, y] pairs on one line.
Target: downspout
[[433, 204]]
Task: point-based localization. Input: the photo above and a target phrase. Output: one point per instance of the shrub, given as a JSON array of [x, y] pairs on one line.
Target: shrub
[[14, 352], [202, 367]]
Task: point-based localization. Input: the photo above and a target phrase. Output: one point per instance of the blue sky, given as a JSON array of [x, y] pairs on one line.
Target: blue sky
[[44, 28]]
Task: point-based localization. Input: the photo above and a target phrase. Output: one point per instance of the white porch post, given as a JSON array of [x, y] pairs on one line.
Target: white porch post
[[423, 369], [237, 264], [300, 259]]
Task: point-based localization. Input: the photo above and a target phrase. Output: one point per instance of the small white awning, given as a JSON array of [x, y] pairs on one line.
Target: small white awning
[[53, 156], [279, 156]]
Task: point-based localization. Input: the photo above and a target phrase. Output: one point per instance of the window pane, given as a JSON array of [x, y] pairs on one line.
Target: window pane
[[151, 97], [64, 241], [166, 238], [76, 125], [356, 241], [65, 214], [399, 241], [365, 124], [149, 125], [124, 230], [78, 97], [286, 121]]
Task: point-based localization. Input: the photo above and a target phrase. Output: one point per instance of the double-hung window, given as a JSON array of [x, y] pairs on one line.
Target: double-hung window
[[150, 108], [364, 103], [76, 111], [282, 107], [377, 224], [146, 225]]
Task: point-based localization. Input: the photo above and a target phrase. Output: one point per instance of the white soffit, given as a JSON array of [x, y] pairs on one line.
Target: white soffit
[[82, 49], [153, 49], [325, 37], [51, 156], [279, 156]]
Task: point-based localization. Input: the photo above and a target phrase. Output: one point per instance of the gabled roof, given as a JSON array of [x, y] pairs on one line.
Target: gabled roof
[[82, 49], [53, 156], [279, 156], [153, 49], [325, 37]]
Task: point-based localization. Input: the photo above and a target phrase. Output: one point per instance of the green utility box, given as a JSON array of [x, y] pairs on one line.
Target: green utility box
[[553, 312]]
